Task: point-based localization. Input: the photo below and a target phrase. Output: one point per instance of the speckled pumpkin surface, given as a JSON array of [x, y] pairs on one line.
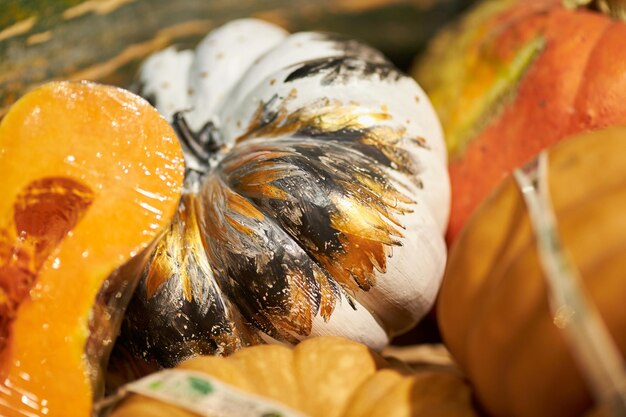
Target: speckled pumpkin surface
[[515, 76], [316, 200]]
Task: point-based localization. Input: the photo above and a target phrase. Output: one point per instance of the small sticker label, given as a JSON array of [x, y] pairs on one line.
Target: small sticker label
[[206, 396]]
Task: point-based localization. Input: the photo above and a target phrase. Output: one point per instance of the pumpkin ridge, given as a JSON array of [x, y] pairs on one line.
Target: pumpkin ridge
[[338, 70], [343, 234], [383, 372], [503, 90], [378, 262], [172, 265], [347, 125], [259, 314], [504, 391], [502, 253], [330, 287], [294, 238], [570, 128]]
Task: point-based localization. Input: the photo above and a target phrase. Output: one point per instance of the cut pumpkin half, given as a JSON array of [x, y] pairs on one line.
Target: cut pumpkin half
[[90, 175]]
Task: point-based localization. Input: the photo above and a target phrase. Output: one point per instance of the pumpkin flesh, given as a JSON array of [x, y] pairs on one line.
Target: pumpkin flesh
[[90, 177]]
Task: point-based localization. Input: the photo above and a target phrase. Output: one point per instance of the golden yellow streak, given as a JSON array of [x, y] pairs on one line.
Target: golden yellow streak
[[39, 38], [93, 6], [192, 27], [18, 28], [353, 6], [275, 16]]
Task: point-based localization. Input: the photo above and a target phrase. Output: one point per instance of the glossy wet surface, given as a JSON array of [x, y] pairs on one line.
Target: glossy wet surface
[[44, 212]]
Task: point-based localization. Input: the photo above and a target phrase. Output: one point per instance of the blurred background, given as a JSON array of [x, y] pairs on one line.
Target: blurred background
[[105, 40]]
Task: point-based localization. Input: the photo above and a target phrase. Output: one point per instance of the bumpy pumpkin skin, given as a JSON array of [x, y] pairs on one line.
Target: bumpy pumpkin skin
[[514, 77], [322, 212], [493, 306], [90, 176], [325, 377]]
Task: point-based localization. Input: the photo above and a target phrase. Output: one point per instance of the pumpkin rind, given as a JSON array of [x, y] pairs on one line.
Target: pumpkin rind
[[323, 211], [326, 376], [493, 307], [514, 77]]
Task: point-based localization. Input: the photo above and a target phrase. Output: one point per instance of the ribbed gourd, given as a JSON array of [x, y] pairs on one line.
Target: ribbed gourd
[[316, 196], [321, 377]]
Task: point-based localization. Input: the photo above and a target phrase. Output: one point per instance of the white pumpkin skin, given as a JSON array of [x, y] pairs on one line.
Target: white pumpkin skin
[[323, 212]]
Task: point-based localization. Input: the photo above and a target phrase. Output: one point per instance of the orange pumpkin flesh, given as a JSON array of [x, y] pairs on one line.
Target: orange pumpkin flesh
[[493, 306], [90, 176], [514, 78]]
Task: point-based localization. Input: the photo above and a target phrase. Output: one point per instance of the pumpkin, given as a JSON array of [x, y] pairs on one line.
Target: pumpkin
[[105, 41], [516, 76], [493, 307], [316, 196], [325, 376], [90, 175]]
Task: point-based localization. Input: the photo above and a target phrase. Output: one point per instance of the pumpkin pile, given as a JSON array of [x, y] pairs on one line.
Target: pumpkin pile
[[529, 305], [314, 202], [246, 231]]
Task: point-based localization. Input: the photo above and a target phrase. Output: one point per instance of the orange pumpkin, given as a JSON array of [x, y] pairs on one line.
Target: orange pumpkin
[[324, 376], [493, 306], [516, 76], [90, 175]]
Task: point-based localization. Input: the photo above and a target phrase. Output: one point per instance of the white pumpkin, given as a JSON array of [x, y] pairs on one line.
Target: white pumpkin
[[317, 196]]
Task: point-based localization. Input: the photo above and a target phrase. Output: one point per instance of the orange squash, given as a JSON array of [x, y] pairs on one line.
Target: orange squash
[[324, 376], [493, 308], [90, 176], [516, 76]]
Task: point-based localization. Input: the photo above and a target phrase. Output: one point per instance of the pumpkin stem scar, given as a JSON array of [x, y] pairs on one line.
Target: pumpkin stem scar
[[200, 146]]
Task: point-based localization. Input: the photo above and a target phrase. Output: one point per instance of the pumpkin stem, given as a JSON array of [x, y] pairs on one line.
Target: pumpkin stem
[[199, 146], [614, 8]]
